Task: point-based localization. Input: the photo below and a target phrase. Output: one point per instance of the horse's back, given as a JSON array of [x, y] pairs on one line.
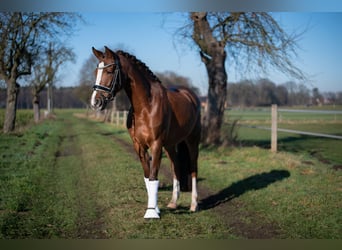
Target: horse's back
[[186, 110], [184, 96]]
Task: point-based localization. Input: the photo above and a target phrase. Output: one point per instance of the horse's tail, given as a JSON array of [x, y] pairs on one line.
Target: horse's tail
[[184, 165]]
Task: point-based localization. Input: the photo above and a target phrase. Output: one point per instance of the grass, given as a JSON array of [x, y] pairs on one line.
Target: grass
[[72, 178], [324, 149], [263, 115], [68, 178], [303, 199], [24, 191], [297, 192], [24, 118]]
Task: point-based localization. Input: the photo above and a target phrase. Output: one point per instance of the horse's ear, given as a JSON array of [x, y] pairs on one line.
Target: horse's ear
[[109, 53], [99, 54]]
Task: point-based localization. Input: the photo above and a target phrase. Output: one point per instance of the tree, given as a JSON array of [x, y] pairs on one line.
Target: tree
[[46, 72], [250, 41], [86, 79], [266, 92], [23, 36], [282, 95], [317, 98], [172, 79]]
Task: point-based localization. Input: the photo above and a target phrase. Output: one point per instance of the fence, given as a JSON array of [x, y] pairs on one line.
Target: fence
[[274, 126], [119, 118]]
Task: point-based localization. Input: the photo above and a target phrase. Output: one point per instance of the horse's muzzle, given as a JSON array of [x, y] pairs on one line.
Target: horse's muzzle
[[98, 103]]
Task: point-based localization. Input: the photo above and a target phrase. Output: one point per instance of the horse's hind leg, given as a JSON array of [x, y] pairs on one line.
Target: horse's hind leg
[[192, 143], [194, 203], [172, 155]]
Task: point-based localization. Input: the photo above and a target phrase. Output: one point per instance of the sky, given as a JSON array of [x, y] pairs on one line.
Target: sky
[[149, 36]]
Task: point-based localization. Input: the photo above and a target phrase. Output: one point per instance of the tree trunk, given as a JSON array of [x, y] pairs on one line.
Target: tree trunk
[[11, 106], [217, 92], [213, 56], [36, 107]]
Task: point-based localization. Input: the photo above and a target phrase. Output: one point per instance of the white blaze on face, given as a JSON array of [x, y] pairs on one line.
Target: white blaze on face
[[99, 73], [97, 82], [92, 99]]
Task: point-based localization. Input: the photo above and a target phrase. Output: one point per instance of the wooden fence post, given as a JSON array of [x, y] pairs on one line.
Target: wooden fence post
[[117, 121], [124, 119], [274, 115]]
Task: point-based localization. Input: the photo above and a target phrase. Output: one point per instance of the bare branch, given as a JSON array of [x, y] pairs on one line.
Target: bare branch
[[253, 41]]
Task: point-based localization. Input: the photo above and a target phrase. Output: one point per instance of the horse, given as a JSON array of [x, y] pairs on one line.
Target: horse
[[159, 118]]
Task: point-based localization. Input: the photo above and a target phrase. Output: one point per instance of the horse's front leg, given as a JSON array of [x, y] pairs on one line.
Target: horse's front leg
[[145, 162], [152, 183]]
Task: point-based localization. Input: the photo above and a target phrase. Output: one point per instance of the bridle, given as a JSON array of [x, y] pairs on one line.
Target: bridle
[[116, 81]]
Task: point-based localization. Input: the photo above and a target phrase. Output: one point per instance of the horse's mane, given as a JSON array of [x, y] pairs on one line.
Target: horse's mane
[[142, 66]]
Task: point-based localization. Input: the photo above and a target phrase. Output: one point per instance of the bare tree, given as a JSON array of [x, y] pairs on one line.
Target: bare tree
[[86, 79], [248, 40], [46, 72], [22, 38], [171, 79]]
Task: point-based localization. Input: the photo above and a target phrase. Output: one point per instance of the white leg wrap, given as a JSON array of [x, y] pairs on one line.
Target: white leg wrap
[[152, 207]]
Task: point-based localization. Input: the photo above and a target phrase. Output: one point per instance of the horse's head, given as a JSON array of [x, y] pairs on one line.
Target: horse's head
[[108, 78]]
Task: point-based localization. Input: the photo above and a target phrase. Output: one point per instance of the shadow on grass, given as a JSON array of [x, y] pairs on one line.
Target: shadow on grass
[[254, 182]]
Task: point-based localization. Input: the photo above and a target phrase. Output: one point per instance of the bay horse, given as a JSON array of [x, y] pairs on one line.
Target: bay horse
[[158, 118]]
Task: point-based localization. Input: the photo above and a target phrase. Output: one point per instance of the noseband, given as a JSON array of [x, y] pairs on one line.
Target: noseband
[[116, 81]]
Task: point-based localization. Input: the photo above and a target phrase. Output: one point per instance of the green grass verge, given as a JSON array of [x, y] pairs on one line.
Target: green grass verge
[[324, 149], [24, 118], [301, 195]]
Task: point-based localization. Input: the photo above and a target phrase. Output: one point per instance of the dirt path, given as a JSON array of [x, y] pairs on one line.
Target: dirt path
[[243, 223], [88, 226]]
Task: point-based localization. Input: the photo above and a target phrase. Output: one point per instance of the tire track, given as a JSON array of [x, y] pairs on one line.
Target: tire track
[[87, 225]]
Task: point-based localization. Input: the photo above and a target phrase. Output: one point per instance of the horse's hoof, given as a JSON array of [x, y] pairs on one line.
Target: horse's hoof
[[172, 205], [151, 213], [194, 208]]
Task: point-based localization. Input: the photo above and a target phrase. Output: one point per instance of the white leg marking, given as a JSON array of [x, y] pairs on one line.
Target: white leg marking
[[175, 194], [194, 205]]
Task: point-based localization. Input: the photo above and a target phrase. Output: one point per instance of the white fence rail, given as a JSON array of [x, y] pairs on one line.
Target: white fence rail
[[119, 118], [274, 126]]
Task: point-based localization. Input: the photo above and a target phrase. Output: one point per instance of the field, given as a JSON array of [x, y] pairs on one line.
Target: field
[[71, 177], [324, 149]]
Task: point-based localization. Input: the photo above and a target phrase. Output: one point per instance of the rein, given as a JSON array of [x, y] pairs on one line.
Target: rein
[[116, 81]]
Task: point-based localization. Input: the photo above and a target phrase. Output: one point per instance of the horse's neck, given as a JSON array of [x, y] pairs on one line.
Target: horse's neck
[[139, 93], [141, 88]]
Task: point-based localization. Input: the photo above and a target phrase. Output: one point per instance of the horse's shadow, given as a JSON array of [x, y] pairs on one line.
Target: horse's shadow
[[254, 182]]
